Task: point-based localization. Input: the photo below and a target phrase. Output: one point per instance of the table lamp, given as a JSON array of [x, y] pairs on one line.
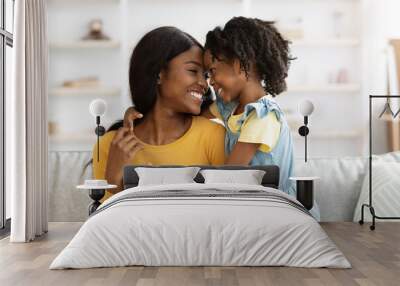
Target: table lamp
[[306, 107], [98, 108]]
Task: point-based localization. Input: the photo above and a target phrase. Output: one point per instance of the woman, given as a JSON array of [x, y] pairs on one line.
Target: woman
[[167, 83]]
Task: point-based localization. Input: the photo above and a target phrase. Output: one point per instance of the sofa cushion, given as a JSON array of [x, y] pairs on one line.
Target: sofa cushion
[[386, 191], [66, 171], [337, 190], [385, 187]]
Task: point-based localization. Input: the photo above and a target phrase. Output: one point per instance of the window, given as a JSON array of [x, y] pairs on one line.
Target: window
[[6, 44]]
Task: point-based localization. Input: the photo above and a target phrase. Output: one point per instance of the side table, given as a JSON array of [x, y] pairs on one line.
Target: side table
[[97, 190], [305, 190]]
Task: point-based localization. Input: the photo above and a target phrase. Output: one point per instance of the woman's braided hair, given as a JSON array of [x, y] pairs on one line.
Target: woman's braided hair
[[257, 42]]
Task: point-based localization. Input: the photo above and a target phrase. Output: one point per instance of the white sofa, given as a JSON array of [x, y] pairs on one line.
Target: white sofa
[[336, 193]]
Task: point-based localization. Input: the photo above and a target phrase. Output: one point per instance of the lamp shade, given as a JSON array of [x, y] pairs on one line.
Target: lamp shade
[[98, 107], [306, 107]]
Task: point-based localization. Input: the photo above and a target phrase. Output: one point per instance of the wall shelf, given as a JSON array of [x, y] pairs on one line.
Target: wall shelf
[[83, 1], [77, 138], [80, 138], [330, 135], [88, 91], [90, 44], [348, 87], [333, 42]]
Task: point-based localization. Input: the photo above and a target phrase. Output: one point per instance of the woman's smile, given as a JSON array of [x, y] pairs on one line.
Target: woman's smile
[[198, 96]]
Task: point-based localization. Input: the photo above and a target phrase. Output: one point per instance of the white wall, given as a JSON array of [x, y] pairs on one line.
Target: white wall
[[128, 20], [313, 64]]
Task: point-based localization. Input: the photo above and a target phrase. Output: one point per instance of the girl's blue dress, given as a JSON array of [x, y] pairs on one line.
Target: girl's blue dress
[[281, 155]]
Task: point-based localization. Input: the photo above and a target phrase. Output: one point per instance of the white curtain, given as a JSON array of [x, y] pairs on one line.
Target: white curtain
[[27, 147]]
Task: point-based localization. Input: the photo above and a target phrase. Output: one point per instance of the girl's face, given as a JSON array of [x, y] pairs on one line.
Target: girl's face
[[226, 78], [182, 83]]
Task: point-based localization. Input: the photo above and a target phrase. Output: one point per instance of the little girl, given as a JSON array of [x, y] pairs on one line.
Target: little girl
[[247, 63]]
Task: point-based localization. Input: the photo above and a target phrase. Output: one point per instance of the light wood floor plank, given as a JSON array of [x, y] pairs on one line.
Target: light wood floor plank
[[375, 257]]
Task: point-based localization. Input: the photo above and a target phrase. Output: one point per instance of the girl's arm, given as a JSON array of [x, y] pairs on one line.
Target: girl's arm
[[242, 153]]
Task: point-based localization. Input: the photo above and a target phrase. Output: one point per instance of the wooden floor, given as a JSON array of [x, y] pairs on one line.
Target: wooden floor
[[374, 255]]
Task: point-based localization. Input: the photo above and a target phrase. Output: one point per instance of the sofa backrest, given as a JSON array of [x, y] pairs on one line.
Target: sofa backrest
[[336, 192], [66, 171], [339, 186]]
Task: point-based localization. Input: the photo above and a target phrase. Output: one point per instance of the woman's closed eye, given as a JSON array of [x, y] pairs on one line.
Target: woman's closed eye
[[194, 70]]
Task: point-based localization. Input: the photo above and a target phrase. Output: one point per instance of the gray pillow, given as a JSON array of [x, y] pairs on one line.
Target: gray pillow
[[385, 189], [388, 157], [248, 177], [163, 176]]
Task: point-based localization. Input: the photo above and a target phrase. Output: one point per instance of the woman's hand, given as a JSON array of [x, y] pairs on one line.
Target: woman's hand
[[123, 148], [131, 114]]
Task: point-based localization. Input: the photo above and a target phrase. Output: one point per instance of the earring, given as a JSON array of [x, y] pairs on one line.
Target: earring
[[263, 84]]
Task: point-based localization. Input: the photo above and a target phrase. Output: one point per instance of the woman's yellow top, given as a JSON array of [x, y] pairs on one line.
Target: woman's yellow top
[[202, 144]]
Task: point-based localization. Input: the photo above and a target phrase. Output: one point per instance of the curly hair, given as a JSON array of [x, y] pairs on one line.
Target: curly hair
[[253, 42]]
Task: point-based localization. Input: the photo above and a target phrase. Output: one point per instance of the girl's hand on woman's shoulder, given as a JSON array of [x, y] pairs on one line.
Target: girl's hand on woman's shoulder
[[122, 150]]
